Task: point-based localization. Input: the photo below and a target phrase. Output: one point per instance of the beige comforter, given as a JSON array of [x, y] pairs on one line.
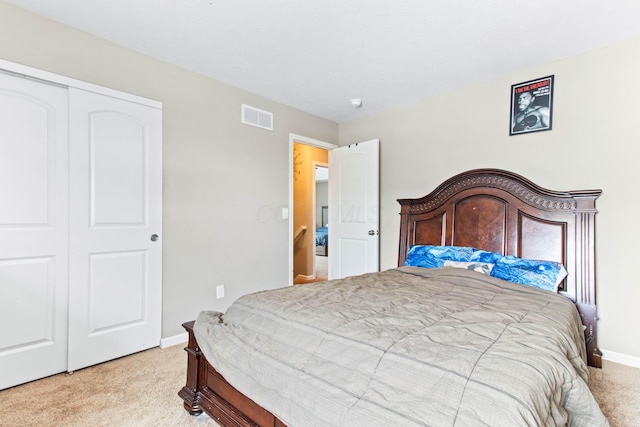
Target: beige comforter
[[405, 347]]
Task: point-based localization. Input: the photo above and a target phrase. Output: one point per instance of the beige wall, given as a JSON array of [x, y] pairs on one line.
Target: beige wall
[[224, 182], [594, 144]]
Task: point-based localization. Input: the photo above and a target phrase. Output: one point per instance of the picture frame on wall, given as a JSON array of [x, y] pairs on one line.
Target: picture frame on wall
[[531, 106]]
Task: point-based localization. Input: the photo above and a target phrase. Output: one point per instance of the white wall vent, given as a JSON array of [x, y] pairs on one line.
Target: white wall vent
[[256, 117]]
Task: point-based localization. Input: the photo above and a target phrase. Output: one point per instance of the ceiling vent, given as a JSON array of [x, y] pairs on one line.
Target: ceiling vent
[[256, 117]]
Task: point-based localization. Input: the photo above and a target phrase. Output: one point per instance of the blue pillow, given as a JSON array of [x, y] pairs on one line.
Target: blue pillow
[[434, 256], [536, 273]]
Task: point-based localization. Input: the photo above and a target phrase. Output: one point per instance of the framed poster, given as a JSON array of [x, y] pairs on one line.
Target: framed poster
[[531, 106]]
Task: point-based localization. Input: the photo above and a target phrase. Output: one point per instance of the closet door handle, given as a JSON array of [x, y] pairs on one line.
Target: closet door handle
[[154, 237]]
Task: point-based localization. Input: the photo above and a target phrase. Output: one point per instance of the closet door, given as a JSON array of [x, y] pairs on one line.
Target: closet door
[[33, 230], [115, 228]]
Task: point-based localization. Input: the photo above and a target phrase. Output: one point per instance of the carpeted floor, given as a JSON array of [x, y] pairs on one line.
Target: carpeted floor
[[616, 387], [322, 267], [141, 390], [138, 390]]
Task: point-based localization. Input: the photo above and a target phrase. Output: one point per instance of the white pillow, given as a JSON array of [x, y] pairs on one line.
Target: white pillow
[[480, 267]]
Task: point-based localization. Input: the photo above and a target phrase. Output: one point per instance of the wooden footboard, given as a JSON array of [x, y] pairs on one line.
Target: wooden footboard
[[207, 391]]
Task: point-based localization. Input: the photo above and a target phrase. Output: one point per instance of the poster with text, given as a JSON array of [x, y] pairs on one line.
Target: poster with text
[[531, 106]]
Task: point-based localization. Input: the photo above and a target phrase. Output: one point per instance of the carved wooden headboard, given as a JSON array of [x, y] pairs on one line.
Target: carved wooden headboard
[[503, 212]]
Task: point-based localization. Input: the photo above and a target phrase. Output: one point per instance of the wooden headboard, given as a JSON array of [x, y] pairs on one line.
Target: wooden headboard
[[503, 212]]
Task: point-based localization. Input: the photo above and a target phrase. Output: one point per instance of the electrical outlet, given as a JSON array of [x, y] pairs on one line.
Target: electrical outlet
[[220, 291]]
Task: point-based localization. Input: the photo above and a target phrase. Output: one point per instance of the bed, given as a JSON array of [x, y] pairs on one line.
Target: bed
[[430, 354]]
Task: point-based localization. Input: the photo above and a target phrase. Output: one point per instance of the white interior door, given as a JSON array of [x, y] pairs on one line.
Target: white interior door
[[116, 192], [33, 230], [354, 209]]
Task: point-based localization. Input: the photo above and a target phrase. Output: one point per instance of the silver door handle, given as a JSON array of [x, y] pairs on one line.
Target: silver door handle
[[371, 232], [154, 237]]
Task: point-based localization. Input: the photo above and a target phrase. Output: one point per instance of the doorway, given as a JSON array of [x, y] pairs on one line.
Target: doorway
[[354, 199], [303, 216]]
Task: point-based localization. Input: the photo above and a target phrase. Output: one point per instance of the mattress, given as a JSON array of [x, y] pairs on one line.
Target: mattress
[[406, 347]]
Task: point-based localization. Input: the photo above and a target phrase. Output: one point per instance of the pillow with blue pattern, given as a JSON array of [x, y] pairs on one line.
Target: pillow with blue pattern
[[541, 274], [427, 256]]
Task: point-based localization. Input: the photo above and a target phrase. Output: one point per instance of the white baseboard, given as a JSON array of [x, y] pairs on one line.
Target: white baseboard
[[174, 340], [623, 359]]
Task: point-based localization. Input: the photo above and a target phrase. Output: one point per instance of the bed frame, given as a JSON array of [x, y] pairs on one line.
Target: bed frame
[[488, 209]]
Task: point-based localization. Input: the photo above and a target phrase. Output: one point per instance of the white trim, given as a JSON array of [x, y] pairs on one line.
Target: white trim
[[25, 70], [621, 358], [307, 141], [174, 340]]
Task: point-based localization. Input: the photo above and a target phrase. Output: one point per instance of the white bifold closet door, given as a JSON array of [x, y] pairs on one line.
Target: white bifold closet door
[[115, 275], [34, 230], [80, 224]]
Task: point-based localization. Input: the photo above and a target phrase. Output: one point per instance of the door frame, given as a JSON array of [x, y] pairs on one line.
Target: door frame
[[293, 138], [49, 77]]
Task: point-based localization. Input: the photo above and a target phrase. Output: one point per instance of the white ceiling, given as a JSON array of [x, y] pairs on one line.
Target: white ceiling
[[316, 55]]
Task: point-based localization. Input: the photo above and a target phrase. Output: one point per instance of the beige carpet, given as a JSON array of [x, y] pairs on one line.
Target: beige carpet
[[141, 390], [322, 267], [616, 387], [138, 390]]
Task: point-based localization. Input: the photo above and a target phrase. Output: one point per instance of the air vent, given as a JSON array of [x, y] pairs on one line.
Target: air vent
[[256, 117]]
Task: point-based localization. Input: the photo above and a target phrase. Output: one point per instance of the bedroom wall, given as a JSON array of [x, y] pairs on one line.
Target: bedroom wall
[[224, 182], [594, 144]]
